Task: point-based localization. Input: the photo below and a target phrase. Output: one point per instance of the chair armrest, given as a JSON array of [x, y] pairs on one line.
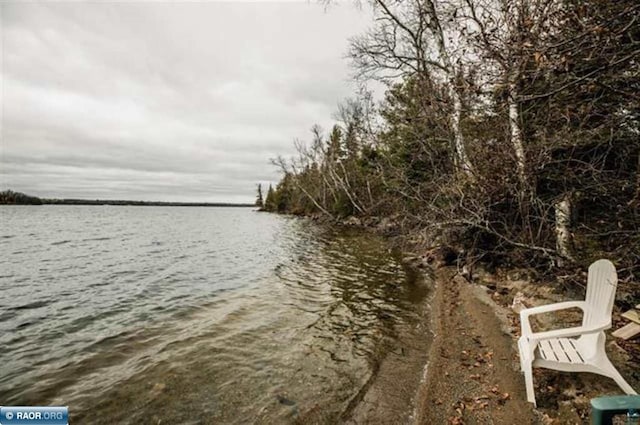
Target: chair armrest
[[552, 307], [524, 314], [567, 332]]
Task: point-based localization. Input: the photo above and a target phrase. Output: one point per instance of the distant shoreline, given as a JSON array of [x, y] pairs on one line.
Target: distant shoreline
[[9, 197], [140, 203], [122, 203]]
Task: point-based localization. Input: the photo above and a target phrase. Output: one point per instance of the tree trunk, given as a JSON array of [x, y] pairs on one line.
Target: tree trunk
[[636, 197], [516, 133], [564, 239], [462, 160]]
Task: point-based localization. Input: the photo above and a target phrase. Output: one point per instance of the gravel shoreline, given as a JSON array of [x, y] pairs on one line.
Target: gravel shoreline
[[472, 375], [459, 368]]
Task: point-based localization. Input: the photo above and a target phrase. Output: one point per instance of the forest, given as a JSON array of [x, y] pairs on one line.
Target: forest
[[9, 197], [509, 130]]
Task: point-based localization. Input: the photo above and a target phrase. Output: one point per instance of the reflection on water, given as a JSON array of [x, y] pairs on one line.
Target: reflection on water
[[193, 315]]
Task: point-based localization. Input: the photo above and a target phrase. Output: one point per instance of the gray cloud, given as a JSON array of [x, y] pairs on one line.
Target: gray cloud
[[164, 101]]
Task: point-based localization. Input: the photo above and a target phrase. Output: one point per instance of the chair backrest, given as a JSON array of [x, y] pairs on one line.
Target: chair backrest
[[601, 292]]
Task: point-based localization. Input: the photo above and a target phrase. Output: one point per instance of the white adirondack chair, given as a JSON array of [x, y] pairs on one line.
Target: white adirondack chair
[[576, 349]]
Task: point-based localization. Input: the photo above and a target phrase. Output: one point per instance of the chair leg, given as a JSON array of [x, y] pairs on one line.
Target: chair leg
[[624, 385], [612, 372], [526, 366], [528, 382]]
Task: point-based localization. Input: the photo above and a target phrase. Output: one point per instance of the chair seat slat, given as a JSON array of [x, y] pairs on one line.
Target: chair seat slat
[[570, 350], [547, 352], [561, 350], [558, 350]]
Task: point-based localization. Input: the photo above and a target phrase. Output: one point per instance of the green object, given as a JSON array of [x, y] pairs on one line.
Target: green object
[[603, 409]]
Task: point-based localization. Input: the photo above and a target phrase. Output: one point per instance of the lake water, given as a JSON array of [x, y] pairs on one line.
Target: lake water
[[195, 315]]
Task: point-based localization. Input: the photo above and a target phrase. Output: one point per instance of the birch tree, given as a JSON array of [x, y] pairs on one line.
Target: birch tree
[[413, 38]]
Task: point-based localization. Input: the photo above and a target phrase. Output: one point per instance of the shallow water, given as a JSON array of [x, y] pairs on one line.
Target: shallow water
[[194, 315]]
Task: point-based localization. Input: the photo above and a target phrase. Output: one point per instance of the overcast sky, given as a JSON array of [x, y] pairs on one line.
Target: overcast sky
[[165, 101]]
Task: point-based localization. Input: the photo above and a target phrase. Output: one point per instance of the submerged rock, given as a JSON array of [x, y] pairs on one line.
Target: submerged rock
[[284, 400]]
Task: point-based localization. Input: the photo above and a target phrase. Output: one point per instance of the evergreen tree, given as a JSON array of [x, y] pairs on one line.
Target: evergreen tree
[[259, 201], [270, 203]]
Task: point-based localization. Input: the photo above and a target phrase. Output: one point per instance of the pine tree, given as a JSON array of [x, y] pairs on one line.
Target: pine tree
[[259, 201], [270, 203]]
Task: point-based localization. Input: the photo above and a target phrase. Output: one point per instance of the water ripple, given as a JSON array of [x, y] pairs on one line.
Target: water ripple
[[190, 311], [33, 305], [61, 242]]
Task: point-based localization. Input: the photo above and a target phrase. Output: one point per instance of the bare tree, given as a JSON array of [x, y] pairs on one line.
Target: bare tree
[[411, 38]]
